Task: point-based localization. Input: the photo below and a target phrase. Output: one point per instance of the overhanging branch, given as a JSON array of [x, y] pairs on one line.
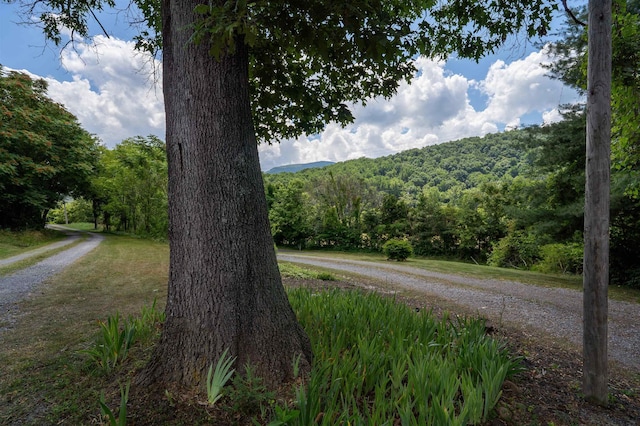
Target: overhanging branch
[[572, 15]]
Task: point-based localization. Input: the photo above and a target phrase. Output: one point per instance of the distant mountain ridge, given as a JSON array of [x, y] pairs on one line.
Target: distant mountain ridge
[[292, 168]]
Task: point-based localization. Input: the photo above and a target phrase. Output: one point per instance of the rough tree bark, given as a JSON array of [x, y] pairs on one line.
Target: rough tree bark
[[225, 289], [596, 214]]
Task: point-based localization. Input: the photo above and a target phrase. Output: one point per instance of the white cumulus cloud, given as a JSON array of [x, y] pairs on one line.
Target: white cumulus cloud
[[434, 108], [116, 93]]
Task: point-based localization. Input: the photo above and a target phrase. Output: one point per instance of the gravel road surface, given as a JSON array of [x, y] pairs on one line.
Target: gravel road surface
[[554, 311], [17, 286], [72, 237]]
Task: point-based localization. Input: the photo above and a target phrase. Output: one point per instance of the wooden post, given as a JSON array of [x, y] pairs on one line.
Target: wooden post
[[596, 213]]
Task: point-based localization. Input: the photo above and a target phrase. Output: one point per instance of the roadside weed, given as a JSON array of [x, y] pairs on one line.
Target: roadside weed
[[116, 337], [113, 343], [218, 378], [121, 420], [249, 395], [291, 270], [149, 321]]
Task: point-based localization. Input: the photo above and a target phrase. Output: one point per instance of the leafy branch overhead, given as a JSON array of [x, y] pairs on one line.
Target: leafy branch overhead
[[310, 59]]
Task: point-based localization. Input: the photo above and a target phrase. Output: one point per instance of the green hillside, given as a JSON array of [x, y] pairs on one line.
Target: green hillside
[[512, 199], [461, 164]]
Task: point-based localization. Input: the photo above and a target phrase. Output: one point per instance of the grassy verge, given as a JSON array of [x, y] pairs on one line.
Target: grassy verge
[[486, 272], [14, 243], [81, 226], [291, 270]]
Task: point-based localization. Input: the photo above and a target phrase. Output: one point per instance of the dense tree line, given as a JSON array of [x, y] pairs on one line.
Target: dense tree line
[[127, 192], [517, 202]]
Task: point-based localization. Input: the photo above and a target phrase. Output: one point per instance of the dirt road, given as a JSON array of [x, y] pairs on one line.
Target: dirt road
[[19, 285], [553, 311]]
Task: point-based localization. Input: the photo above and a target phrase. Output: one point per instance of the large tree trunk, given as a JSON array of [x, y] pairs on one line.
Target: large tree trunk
[[596, 213], [225, 289]]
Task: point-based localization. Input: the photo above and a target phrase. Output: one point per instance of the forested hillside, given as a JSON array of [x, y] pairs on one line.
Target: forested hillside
[[461, 164], [513, 199], [298, 167]]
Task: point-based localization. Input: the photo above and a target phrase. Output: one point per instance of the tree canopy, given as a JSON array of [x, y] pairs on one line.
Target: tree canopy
[[570, 65], [310, 60], [44, 153]]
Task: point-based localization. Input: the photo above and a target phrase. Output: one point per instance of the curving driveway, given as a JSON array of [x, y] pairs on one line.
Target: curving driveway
[[556, 312], [20, 284]]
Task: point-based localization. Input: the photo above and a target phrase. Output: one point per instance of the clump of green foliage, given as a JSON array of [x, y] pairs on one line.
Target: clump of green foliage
[[518, 249], [397, 249], [77, 210], [116, 337], [379, 362], [249, 395], [216, 379], [561, 258], [113, 343]]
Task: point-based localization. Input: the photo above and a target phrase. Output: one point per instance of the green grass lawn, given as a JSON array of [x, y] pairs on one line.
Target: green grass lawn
[[82, 226], [44, 370]]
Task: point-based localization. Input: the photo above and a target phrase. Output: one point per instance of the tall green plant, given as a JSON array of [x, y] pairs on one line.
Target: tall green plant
[[216, 379], [121, 420], [113, 343], [379, 362]]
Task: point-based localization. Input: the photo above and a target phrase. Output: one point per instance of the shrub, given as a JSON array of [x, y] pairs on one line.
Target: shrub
[[517, 250], [562, 258], [397, 249]]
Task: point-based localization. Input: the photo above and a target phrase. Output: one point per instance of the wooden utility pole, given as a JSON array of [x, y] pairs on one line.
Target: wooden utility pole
[[596, 212]]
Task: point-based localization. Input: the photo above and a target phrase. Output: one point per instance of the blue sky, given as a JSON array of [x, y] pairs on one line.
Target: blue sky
[[115, 94]]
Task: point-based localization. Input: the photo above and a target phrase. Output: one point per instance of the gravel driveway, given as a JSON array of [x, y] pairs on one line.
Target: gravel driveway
[[20, 284], [554, 311]]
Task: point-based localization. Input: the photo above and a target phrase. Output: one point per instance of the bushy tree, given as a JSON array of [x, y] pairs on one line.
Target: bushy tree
[[518, 249], [289, 214], [561, 258], [44, 153], [73, 211], [570, 65], [132, 187]]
